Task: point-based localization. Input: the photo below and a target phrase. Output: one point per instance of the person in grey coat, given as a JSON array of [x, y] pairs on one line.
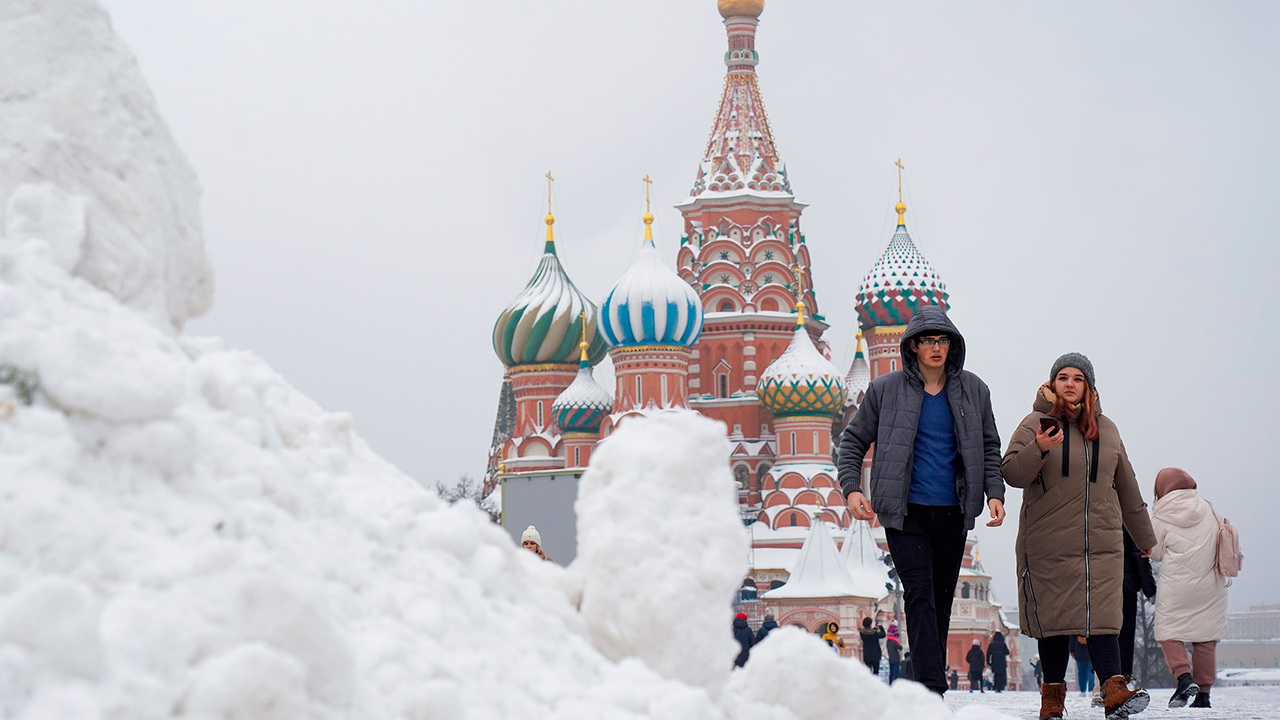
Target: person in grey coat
[[937, 458]]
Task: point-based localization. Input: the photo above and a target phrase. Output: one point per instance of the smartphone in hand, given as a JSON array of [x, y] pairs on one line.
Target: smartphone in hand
[[1049, 425]]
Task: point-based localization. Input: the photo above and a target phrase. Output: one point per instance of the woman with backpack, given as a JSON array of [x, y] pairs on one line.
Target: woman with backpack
[[1191, 603], [1079, 494]]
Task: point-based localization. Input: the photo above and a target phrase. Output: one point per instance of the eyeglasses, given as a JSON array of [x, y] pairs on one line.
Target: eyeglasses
[[941, 342]]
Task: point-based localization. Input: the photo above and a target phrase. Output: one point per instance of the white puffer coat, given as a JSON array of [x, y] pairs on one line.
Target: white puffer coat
[[1191, 602]]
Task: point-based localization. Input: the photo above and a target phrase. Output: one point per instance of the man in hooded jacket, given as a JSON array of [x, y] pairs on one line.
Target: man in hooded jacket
[[937, 456]]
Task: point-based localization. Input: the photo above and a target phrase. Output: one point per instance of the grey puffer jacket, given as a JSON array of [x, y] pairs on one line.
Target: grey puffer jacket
[[890, 413]]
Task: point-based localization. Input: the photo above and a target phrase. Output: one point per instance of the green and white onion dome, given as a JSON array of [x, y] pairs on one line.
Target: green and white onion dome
[[801, 381], [651, 304], [544, 324], [901, 282], [583, 405]]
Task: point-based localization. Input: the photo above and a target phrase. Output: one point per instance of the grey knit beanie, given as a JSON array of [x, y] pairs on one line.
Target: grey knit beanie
[[1075, 360]]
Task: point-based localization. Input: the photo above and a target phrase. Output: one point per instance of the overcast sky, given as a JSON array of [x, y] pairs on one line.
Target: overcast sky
[[1097, 177]]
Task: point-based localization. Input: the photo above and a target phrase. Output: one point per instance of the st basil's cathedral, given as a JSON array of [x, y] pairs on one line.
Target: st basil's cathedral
[[733, 331]]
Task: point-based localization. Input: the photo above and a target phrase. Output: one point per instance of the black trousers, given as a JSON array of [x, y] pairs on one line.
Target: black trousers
[[1055, 652], [926, 553], [1127, 631]]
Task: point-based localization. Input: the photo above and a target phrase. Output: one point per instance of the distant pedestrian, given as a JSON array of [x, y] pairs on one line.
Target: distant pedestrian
[[531, 540], [954, 679], [1084, 665], [1191, 606], [871, 645], [977, 663], [1079, 493], [833, 638], [893, 650], [1037, 669], [766, 627], [998, 661], [936, 468], [742, 633]]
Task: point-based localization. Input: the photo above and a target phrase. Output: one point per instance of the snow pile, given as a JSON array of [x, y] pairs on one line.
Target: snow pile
[[662, 548], [87, 163], [183, 534]]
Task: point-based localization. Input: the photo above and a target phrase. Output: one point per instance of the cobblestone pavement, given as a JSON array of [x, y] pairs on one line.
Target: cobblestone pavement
[[1237, 703]]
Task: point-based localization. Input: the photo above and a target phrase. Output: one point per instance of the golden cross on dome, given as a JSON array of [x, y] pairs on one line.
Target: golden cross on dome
[[549, 181], [901, 167], [584, 344], [647, 184], [799, 269]]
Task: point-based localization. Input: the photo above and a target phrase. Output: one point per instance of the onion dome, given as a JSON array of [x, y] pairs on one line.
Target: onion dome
[[859, 377], [801, 381], [651, 304], [901, 282], [740, 8], [544, 323], [583, 405]]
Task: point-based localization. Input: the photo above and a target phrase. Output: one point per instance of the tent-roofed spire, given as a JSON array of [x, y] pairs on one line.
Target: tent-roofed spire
[[741, 154]]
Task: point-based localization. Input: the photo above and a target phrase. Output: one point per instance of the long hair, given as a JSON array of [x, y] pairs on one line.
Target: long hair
[[1087, 412]]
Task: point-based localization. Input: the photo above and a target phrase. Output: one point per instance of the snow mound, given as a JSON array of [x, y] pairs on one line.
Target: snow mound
[[662, 548], [88, 165]]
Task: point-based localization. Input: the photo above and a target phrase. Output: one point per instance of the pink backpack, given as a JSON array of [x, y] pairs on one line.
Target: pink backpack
[[1229, 557]]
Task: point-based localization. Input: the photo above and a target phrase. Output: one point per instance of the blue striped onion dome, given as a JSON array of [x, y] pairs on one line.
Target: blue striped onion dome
[[545, 322], [651, 304], [801, 381], [582, 406]]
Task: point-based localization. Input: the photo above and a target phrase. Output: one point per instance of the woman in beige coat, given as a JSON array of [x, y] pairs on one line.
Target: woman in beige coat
[[1191, 604], [1079, 493]]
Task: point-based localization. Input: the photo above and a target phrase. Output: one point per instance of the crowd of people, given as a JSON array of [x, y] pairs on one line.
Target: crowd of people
[[1085, 535]]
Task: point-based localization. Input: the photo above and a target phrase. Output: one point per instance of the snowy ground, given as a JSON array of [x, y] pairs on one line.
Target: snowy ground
[[1238, 703]]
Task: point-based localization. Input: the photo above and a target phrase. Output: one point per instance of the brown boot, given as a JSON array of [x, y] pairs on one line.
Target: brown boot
[[1119, 701], [1053, 696]]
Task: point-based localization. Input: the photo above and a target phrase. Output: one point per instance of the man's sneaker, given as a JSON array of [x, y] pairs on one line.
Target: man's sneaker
[[1119, 701], [1185, 692], [1097, 697], [1202, 699]]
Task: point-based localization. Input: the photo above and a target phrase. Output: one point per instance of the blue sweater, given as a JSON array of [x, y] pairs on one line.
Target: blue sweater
[[933, 469]]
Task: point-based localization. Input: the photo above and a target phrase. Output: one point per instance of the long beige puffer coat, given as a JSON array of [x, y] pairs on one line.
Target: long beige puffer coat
[[1070, 546], [1191, 602]]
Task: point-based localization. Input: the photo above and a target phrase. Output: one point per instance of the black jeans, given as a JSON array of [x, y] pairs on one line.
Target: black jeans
[[1055, 652], [926, 553], [1127, 631]]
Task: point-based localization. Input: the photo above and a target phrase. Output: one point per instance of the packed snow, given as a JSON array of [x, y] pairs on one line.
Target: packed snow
[[184, 534]]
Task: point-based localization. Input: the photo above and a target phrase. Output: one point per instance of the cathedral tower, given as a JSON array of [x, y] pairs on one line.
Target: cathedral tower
[[744, 252]]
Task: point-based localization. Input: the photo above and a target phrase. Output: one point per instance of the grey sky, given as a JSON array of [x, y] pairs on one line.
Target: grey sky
[[1097, 177]]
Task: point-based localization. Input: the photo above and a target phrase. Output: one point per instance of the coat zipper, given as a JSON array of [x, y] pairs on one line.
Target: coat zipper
[[1035, 606], [1088, 609]]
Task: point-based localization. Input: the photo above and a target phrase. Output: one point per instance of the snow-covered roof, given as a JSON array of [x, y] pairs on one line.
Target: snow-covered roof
[[818, 571], [775, 558], [807, 470], [862, 557]]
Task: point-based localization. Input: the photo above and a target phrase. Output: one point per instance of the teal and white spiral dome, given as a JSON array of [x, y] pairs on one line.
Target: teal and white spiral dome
[[651, 304], [582, 406]]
